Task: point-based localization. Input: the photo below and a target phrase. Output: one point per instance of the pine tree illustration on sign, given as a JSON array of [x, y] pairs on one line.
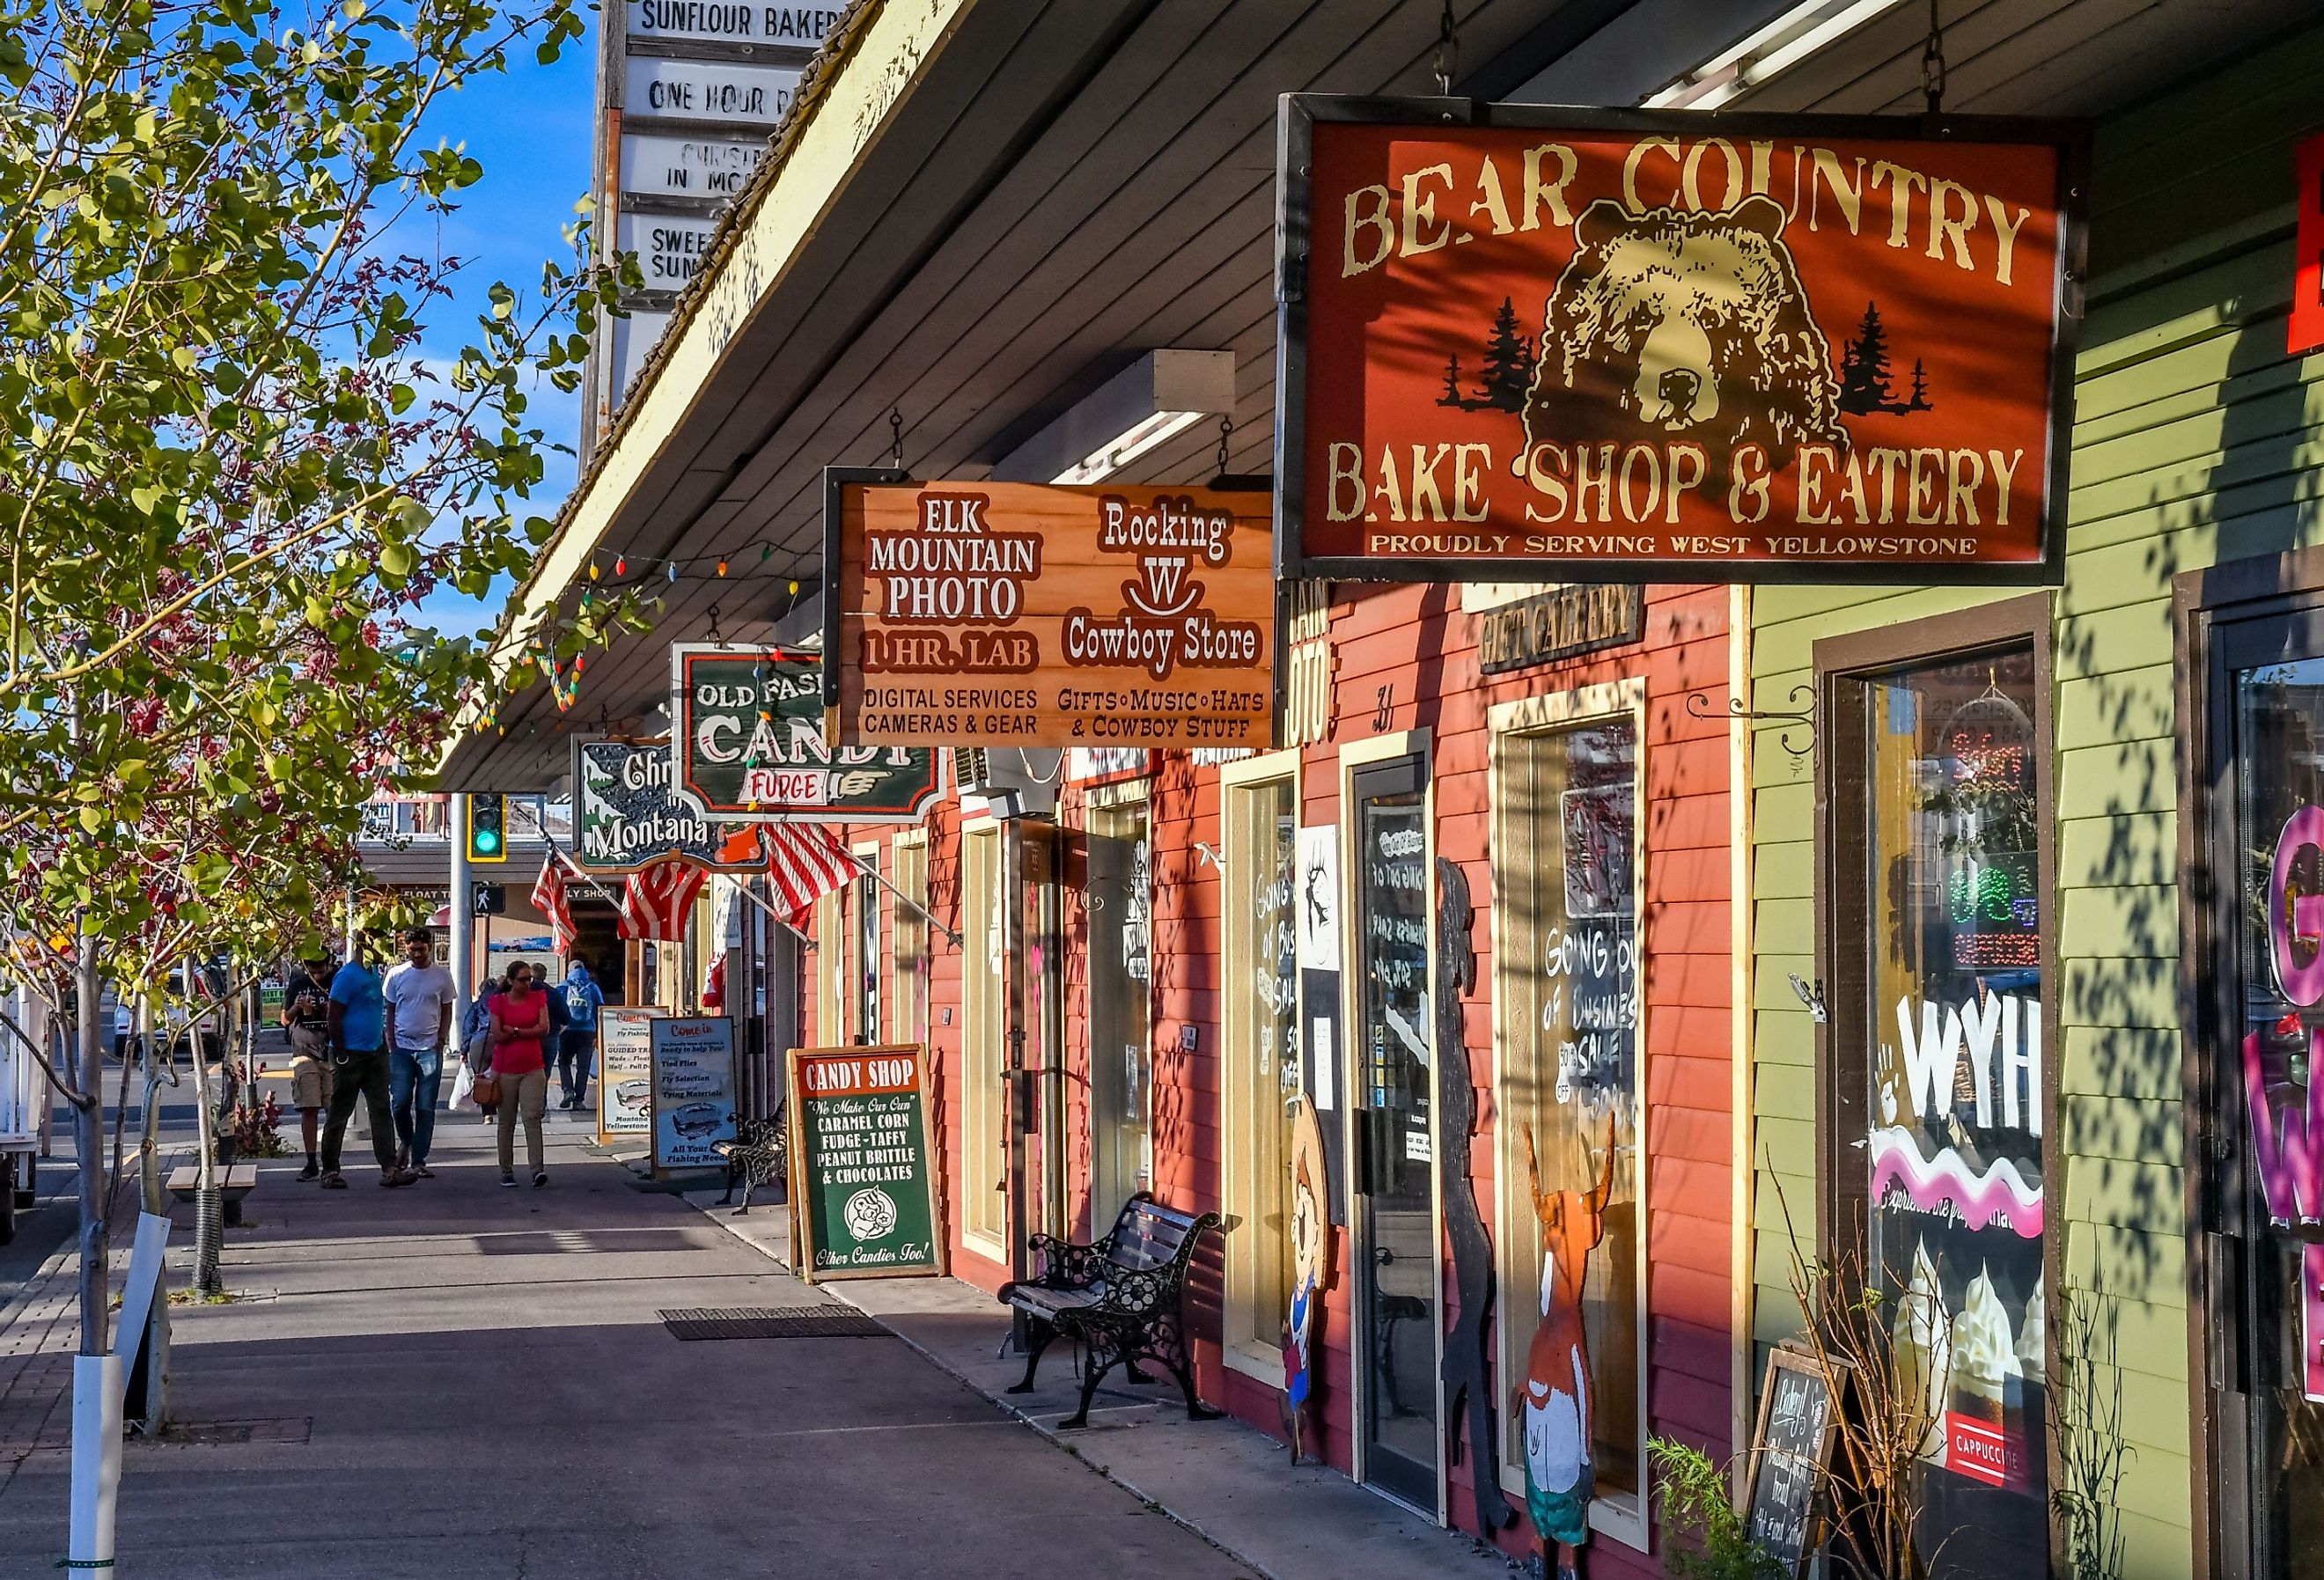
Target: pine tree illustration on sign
[[1508, 368], [1508, 363], [1451, 395], [1864, 372]]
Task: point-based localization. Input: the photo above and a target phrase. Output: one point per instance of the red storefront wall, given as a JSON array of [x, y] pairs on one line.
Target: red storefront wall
[[1418, 642]]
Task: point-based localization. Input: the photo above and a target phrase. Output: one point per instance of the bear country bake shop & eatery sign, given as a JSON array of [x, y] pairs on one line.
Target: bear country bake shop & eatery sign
[[1616, 346], [1023, 615], [749, 746]]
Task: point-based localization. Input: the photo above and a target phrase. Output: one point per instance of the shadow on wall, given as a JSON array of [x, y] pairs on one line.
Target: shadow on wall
[[2245, 503]]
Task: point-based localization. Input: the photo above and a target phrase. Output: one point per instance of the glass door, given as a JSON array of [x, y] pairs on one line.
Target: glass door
[[1040, 1042], [1949, 1108], [1395, 1251], [1120, 1001], [2267, 1262]]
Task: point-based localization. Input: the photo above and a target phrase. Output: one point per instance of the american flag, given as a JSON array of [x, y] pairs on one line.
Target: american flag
[[804, 864], [655, 901], [548, 898]]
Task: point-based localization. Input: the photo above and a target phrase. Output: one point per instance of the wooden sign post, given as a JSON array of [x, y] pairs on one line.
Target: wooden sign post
[[1798, 1417], [864, 1189]]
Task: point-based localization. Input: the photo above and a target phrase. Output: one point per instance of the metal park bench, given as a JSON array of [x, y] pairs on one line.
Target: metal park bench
[[760, 1151], [1119, 1296]]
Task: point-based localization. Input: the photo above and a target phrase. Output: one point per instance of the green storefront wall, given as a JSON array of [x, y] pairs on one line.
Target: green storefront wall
[[2195, 440]]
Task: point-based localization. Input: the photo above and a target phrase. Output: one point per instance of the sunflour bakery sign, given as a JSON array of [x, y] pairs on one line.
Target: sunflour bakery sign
[[998, 613], [1520, 343]]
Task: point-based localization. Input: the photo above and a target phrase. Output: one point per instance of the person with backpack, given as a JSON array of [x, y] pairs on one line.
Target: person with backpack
[[576, 1048]]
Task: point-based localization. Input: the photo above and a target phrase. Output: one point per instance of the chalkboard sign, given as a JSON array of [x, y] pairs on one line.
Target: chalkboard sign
[[863, 1189], [1797, 1418]]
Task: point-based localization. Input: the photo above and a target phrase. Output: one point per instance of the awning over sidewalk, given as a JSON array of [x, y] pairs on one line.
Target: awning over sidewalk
[[983, 209]]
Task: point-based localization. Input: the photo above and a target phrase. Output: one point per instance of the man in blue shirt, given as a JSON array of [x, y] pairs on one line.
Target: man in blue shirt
[[359, 1067], [576, 1048]]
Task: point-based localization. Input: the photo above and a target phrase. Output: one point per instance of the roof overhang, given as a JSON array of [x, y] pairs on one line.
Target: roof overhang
[[984, 210]]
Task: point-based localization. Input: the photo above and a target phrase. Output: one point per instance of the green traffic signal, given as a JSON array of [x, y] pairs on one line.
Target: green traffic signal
[[487, 826]]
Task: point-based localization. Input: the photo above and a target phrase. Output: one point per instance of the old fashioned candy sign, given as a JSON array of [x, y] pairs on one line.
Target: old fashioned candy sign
[[1615, 345], [1020, 615], [750, 745]]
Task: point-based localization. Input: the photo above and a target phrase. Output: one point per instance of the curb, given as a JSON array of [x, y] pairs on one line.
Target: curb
[[1048, 1434]]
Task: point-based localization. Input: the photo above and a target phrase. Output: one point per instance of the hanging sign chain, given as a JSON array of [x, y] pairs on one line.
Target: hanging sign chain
[[1226, 429], [715, 634], [1933, 63], [896, 439], [1448, 51]]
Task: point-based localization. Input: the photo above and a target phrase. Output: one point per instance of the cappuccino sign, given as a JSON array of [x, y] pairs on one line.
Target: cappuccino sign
[[1523, 343], [749, 746], [1019, 615]]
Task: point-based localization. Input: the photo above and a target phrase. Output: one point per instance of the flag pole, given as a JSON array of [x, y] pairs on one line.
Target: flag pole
[[872, 873], [773, 915]]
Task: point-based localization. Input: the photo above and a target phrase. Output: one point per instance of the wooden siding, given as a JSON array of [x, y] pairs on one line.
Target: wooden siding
[[1418, 641], [2195, 440]]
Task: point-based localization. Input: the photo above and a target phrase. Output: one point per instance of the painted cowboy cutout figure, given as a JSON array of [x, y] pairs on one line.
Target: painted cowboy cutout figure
[[1311, 1265]]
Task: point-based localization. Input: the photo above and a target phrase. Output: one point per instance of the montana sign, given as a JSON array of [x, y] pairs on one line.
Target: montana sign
[[1521, 343], [999, 613], [749, 746], [624, 815]]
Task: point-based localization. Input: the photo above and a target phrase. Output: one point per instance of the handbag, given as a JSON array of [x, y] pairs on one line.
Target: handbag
[[485, 1091]]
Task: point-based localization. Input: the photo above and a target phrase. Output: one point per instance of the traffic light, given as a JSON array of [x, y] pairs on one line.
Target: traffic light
[[488, 828], [489, 899]]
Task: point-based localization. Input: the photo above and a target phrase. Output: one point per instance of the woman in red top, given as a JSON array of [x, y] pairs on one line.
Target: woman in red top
[[519, 1018]]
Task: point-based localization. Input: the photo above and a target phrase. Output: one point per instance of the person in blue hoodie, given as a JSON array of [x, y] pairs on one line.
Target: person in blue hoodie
[[576, 1045]]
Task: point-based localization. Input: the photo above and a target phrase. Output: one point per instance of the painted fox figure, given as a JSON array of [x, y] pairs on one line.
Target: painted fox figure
[[1553, 1399]]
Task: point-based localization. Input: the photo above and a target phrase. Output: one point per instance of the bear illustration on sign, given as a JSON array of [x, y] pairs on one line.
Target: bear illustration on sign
[[1676, 327]]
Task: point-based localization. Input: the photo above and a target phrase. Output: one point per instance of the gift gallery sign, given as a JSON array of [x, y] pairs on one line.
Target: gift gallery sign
[[1621, 345], [749, 746], [1000, 614]]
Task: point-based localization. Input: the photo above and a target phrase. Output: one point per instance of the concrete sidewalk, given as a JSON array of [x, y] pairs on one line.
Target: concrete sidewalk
[[459, 1380], [1233, 1485]]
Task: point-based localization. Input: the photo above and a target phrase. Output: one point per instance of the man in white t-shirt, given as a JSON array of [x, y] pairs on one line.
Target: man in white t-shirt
[[418, 994]]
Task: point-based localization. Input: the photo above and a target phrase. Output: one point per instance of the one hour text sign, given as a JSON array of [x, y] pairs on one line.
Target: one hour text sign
[[750, 745], [862, 1184], [1620, 345], [1019, 615]]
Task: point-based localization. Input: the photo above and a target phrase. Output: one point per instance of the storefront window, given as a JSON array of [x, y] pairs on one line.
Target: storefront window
[[1565, 855], [1953, 1112], [1261, 1071], [2279, 764], [911, 929], [984, 1163], [1121, 973]]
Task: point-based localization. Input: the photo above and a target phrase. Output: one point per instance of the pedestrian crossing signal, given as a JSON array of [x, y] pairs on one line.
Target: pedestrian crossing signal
[[488, 828]]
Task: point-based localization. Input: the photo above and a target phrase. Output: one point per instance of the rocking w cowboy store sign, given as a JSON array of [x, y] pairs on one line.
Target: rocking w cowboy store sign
[[1519, 342]]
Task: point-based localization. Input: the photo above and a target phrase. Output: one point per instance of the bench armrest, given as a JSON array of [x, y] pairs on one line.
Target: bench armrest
[[1066, 1266]]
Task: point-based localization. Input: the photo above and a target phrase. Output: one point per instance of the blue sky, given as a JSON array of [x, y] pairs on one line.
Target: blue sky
[[529, 128]]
